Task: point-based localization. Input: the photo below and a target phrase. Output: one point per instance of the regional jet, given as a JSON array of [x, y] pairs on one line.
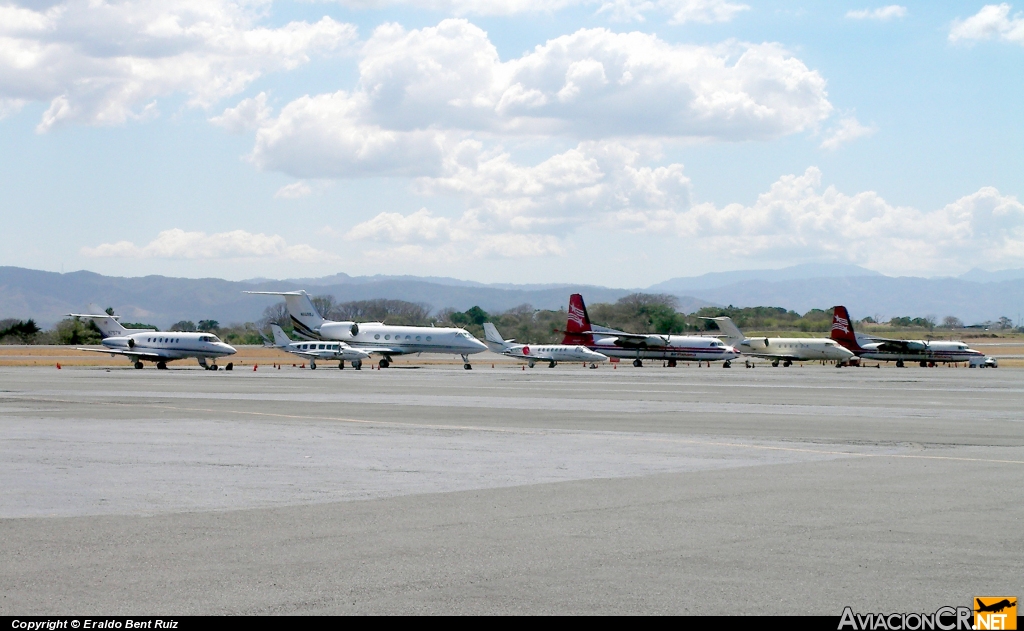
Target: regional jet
[[784, 349], [326, 351], [637, 346], [140, 345], [900, 351], [376, 337], [533, 353]]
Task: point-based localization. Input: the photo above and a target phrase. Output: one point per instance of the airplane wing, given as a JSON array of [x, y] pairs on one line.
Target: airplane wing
[[898, 346], [792, 358], [628, 339], [153, 355]]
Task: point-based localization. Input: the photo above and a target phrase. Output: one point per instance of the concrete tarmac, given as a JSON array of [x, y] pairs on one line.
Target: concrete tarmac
[[499, 490]]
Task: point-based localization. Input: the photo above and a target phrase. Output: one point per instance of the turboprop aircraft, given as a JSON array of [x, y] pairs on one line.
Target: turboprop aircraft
[[784, 349], [376, 337], [637, 346], [140, 345], [326, 351], [533, 353], [899, 351]]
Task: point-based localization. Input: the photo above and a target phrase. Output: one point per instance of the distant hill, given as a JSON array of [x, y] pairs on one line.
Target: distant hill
[[982, 276], [689, 284], [881, 296], [162, 300]]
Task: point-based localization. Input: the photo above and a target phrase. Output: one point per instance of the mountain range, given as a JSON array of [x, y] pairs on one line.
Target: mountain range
[[975, 296]]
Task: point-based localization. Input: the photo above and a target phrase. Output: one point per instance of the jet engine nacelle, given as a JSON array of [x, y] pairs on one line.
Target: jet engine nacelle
[[339, 330]]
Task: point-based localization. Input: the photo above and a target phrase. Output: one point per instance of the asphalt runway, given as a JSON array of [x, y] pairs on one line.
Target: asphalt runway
[[498, 490]]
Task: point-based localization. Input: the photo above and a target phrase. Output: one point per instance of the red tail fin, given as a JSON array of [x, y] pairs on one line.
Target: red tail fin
[[842, 329], [579, 321]]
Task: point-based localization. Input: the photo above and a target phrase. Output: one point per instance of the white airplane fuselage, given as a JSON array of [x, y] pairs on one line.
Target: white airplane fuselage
[[325, 351], [921, 351], [170, 345], [677, 347], [795, 348], [553, 353], [389, 339]]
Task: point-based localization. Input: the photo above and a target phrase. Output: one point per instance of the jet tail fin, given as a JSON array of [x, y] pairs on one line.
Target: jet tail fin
[[577, 326], [733, 335], [281, 338], [107, 324], [842, 329], [306, 319], [493, 339]]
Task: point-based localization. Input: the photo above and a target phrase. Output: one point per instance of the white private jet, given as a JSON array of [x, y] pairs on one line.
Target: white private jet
[[784, 349], [140, 345], [533, 353], [325, 351], [376, 337], [641, 346], [926, 352]]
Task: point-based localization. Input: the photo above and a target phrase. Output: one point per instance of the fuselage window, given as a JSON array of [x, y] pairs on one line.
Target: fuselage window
[[322, 347], [376, 337], [428, 338], [387, 337], [417, 338]]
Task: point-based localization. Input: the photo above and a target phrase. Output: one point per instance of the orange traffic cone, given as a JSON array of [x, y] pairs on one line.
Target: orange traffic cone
[[254, 367], [58, 365]]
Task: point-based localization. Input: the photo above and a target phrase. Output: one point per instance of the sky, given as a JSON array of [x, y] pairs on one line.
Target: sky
[[617, 143]]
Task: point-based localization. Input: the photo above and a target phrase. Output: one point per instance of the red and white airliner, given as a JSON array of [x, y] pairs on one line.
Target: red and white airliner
[[638, 346], [883, 349]]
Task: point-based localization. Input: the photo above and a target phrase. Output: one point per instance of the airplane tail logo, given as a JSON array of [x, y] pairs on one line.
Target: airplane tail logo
[[842, 329], [995, 612], [578, 322]]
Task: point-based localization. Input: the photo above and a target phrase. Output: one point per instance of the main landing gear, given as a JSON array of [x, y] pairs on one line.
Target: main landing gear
[[727, 364], [312, 364], [899, 363], [161, 365], [637, 363], [383, 363], [671, 363], [138, 365], [341, 365], [466, 363], [551, 364], [357, 364]]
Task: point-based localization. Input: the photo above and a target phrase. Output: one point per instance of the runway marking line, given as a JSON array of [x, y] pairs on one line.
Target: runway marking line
[[684, 441]]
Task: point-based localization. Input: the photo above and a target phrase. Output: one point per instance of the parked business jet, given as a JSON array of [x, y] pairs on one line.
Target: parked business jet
[[140, 345], [784, 349], [899, 351], [376, 337], [533, 353], [638, 347], [326, 351]]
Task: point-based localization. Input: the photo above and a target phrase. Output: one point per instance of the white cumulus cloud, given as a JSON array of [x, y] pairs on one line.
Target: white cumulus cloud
[[236, 244], [848, 130], [104, 62], [679, 11], [881, 14], [993, 21], [295, 190], [423, 92], [799, 218]]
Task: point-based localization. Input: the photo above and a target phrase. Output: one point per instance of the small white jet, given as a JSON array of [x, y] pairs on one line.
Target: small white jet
[[140, 345], [325, 351], [376, 337], [550, 353], [784, 349]]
